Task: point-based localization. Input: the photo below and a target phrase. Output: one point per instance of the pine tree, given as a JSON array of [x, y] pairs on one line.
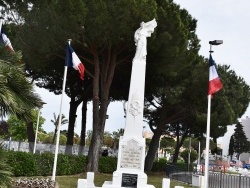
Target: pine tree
[[241, 144], [231, 147]]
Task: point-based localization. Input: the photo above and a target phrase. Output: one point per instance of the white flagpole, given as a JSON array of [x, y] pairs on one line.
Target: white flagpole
[[59, 123], [207, 142], [37, 123], [1, 22]]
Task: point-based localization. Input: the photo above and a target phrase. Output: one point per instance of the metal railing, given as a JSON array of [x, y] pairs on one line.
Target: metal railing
[[221, 180], [174, 172], [216, 179]]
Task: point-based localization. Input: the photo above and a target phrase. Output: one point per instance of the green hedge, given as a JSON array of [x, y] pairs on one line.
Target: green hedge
[[22, 164], [28, 164], [107, 164]]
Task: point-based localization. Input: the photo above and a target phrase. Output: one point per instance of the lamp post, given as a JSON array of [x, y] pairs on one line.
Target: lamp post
[[214, 42]]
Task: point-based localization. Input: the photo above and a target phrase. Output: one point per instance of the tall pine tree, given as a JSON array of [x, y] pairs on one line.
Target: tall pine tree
[[241, 144]]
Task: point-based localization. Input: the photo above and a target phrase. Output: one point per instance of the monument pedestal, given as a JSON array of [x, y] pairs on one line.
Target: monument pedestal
[[130, 165]]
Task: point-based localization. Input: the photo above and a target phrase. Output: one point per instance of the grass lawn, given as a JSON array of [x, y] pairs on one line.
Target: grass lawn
[[153, 178]]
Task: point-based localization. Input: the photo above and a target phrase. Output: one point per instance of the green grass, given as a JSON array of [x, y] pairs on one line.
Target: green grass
[[153, 178]]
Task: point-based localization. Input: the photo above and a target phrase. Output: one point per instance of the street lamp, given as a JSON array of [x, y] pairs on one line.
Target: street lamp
[[214, 42]]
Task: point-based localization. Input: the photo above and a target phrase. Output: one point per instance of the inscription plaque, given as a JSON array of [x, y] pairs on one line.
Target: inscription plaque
[[131, 155], [129, 180]]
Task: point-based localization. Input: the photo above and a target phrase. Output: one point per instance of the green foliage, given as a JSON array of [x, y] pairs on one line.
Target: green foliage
[[27, 164], [17, 94], [159, 166], [195, 144], [5, 170], [18, 128], [55, 121], [107, 164], [44, 163], [193, 155], [167, 142], [47, 139], [23, 164], [68, 164], [240, 142]]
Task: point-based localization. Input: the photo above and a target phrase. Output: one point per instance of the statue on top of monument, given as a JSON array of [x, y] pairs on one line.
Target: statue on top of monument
[[141, 34]]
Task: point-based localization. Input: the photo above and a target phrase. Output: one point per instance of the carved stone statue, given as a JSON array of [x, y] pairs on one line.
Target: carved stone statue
[[140, 37]]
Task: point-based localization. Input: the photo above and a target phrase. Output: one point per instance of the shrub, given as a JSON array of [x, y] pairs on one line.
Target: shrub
[[28, 164], [44, 163], [23, 164], [107, 164], [5, 171], [159, 166]]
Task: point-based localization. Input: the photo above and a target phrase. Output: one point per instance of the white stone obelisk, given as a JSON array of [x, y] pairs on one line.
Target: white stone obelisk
[[131, 155], [134, 115]]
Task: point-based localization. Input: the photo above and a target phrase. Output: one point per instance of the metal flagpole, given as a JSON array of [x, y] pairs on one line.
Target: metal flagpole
[[215, 42], [59, 123], [207, 142], [37, 123]]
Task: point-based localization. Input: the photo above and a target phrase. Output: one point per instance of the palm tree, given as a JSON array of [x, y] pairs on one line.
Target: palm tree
[[5, 171], [55, 121], [17, 94]]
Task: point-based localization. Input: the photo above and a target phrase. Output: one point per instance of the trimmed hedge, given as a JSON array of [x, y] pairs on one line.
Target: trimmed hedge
[[107, 164], [28, 164]]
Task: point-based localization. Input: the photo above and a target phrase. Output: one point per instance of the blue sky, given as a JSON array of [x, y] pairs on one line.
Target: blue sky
[[226, 20]]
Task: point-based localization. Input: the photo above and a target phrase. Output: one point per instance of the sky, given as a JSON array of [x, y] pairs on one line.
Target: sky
[[226, 20]]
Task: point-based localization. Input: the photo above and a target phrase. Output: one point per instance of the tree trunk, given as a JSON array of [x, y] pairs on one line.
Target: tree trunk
[[93, 154], [179, 143], [72, 119], [31, 135], [99, 112], [215, 150], [83, 130], [154, 145], [54, 136], [19, 145]]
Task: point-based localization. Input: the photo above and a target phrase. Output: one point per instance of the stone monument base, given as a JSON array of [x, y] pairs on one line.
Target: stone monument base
[[120, 180]]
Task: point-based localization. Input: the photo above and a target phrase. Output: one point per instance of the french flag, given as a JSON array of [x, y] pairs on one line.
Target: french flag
[[4, 40], [72, 60], [214, 80]]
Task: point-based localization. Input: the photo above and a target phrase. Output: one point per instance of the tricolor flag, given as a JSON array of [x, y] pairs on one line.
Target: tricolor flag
[[214, 80], [72, 60], [4, 40]]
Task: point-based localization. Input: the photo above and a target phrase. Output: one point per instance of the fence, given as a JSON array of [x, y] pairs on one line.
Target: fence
[[220, 180], [173, 172], [41, 148], [216, 179]]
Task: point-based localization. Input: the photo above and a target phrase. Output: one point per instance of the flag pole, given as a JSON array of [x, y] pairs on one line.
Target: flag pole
[[59, 122], [207, 141], [214, 87], [1, 22], [37, 123]]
